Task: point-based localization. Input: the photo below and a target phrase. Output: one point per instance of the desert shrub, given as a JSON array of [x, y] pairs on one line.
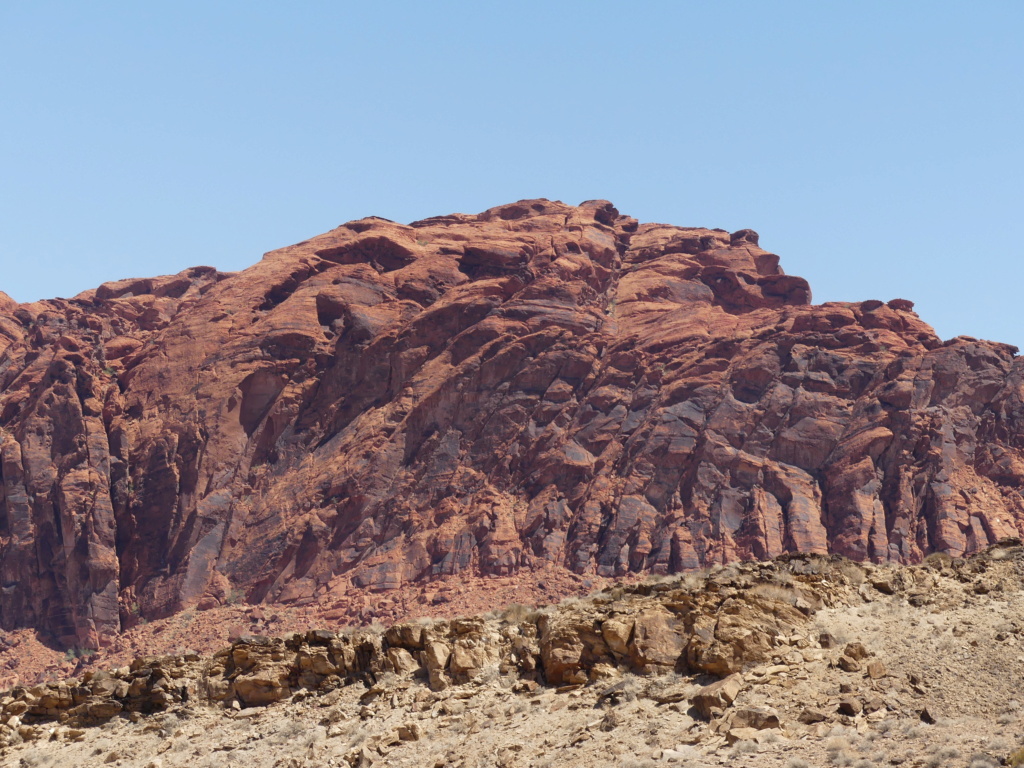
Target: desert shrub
[[776, 592], [785, 578], [1016, 759], [998, 553], [78, 653], [836, 743], [852, 572], [516, 613], [797, 762], [938, 560], [744, 747], [885, 726], [998, 745]]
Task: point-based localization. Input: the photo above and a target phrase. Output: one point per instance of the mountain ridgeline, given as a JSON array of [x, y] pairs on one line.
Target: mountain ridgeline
[[539, 386]]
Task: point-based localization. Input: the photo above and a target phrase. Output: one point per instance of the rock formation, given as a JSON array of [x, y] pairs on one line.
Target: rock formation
[[739, 665], [538, 385]]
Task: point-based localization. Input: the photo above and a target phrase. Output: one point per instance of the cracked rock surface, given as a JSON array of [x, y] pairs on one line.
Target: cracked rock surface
[[478, 396]]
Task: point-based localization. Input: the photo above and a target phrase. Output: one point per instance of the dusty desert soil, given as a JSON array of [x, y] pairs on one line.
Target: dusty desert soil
[[918, 667]]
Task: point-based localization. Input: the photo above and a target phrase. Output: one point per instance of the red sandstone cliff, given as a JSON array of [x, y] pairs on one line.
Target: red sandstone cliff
[[540, 383]]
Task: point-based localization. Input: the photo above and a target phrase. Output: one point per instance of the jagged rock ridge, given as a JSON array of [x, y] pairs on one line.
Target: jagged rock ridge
[[539, 385]]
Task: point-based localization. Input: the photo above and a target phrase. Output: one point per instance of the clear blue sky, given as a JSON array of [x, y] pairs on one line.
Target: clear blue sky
[[876, 146]]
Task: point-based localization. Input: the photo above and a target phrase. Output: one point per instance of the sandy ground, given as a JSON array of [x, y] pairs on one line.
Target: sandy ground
[[949, 694]]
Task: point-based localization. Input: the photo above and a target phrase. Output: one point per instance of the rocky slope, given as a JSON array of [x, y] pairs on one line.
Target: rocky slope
[[536, 387], [807, 660]]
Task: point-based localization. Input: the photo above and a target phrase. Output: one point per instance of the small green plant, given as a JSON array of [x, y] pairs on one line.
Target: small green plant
[[234, 596], [110, 371], [78, 653]]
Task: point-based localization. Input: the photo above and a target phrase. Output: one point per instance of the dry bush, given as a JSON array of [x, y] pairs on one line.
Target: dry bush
[[938, 561], [516, 613], [744, 747], [998, 745], [852, 572], [776, 592], [836, 743], [785, 578], [885, 726]]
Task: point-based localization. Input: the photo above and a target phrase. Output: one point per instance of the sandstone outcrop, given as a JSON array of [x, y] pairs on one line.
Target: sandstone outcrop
[[573, 684], [536, 386], [658, 629]]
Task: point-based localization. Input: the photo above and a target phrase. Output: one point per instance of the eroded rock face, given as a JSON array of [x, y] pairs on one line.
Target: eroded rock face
[[537, 385]]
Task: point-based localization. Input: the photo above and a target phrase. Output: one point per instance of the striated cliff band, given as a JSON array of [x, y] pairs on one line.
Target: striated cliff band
[[539, 386]]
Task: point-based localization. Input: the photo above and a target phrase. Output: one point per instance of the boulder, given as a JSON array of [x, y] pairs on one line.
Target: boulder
[[717, 696]]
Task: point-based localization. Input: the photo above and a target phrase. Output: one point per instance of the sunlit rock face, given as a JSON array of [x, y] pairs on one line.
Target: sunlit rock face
[[536, 386]]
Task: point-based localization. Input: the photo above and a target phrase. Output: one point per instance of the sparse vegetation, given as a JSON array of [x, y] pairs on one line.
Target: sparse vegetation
[[78, 653], [776, 592], [744, 748], [615, 709], [515, 613], [938, 560]]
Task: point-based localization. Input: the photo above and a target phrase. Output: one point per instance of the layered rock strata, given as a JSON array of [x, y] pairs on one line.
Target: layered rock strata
[[717, 625], [753, 631], [536, 386]]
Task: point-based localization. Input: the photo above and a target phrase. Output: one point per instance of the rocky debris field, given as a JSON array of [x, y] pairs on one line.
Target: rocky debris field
[[803, 661], [538, 386], [29, 657]]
